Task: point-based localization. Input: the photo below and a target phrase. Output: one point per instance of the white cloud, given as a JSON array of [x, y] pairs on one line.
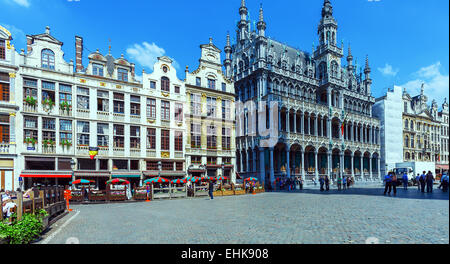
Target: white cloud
[[19, 37], [436, 83], [147, 54], [24, 3], [388, 70]]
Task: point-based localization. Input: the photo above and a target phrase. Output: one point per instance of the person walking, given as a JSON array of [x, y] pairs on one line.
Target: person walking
[[344, 183], [322, 182], [300, 181], [339, 182], [429, 180], [418, 182], [422, 182], [394, 183], [444, 182], [349, 182], [387, 183], [211, 189], [327, 183], [405, 181]]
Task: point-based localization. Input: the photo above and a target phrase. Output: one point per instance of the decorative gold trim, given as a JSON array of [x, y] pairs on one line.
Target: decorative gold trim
[[119, 86], [102, 84], [179, 124], [12, 114], [165, 155], [151, 121], [82, 81], [12, 75], [165, 94]]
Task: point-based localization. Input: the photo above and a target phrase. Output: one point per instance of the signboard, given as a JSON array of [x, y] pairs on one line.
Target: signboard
[[31, 148]]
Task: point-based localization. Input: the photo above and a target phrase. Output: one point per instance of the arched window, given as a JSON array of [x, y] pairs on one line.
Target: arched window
[[407, 141], [48, 59], [412, 125], [334, 69], [406, 123], [165, 84]]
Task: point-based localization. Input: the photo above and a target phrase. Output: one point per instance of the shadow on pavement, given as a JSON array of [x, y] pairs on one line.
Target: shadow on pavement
[[411, 193]]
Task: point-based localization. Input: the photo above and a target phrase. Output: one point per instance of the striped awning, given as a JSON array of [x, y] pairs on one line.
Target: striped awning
[[44, 175], [444, 167], [164, 173], [129, 175]]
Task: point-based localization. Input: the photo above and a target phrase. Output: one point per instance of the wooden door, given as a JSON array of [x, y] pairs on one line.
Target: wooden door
[[2, 174]]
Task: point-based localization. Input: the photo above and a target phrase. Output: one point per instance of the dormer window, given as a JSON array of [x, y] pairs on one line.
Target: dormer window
[[48, 59], [165, 84], [2, 49], [122, 74], [198, 81], [97, 69], [211, 84]]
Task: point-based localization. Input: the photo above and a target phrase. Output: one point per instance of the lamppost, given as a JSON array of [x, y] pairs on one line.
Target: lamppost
[[72, 166], [159, 168]]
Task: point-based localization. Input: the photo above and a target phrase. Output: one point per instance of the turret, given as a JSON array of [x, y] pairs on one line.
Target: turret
[[261, 24], [327, 30], [227, 61], [367, 81], [243, 23]]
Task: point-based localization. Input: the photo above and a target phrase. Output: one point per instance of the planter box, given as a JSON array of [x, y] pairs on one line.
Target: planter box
[[45, 222], [217, 193], [140, 196], [118, 197], [240, 192], [228, 192]]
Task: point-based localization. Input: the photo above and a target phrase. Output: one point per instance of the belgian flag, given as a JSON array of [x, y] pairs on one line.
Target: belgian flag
[[342, 126]]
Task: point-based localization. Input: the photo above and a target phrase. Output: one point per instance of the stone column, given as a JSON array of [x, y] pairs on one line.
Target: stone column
[[295, 122], [241, 161], [315, 165], [316, 133], [341, 167], [352, 134], [272, 175], [247, 163], [330, 166], [362, 166], [302, 123], [302, 158], [12, 128], [287, 122], [379, 169], [329, 128], [370, 169], [352, 166], [262, 168], [288, 167], [279, 118]]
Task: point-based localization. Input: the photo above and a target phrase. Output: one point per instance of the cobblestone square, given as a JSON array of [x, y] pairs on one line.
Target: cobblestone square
[[308, 216]]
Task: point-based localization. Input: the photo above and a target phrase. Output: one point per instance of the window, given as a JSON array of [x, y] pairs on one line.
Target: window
[[119, 139], [151, 108], [196, 136], [2, 49], [224, 87], [165, 140], [122, 75], [178, 141], [211, 137], [179, 112], [211, 84], [179, 166], [152, 85], [196, 159], [48, 129], [30, 128], [151, 138], [196, 105], [119, 104], [48, 123], [97, 69], [102, 135], [120, 164], [4, 87], [48, 59], [211, 106], [177, 89], [226, 109], [48, 91], [103, 101], [4, 128], [165, 110], [152, 165], [65, 131], [83, 98], [29, 88], [211, 160], [135, 105], [406, 124], [226, 138], [65, 93], [167, 166], [165, 84], [135, 137], [83, 133], [198, 81]]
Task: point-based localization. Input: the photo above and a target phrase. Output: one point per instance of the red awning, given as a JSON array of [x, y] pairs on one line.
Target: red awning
[[444, 167], [46, 176]]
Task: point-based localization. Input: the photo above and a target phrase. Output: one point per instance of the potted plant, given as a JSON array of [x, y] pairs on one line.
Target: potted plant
[[30, 100], [31, 141], [48, 104]]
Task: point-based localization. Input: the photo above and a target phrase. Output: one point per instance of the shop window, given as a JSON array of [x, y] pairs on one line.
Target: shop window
[[37, 163], [86, 164], [120, 164], [134, 165]]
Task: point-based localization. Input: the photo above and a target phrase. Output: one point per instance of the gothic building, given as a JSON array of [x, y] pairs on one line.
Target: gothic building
[[324, 108]]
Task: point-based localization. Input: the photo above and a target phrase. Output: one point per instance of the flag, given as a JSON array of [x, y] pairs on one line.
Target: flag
[[342, 125], [93, 151]]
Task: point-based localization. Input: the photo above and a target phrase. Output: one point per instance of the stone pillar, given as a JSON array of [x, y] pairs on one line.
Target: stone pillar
[[316, 133], [262, 168], [247, 163], [254, 169], [302, 123], [279, 118], [272, 176], [295, 122], [379, 169], [288, 167], [361, 134], [329, 128], [341, 161], [362, 166], [352, 166], [241, 161], [12, 128], [370, 169], [287, 122], [330, 165], [315, 165], [302, 158]]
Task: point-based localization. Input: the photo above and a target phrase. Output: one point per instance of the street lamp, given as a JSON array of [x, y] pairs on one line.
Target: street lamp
[[159, 168], [72, 166]]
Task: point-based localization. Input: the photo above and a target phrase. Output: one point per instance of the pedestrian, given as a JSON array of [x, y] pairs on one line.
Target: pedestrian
[[429, 181], [211, 189], [339, 182], [349, 182], [418, 182], [322, 182], [387, 183], [301, 182], [327, 183], [444, 182], [394, 183], [422, 182], [405, 181], [344, 183]]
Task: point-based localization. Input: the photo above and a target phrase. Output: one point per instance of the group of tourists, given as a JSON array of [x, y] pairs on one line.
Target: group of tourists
[[342, 182], [423, 181], [290, 184]]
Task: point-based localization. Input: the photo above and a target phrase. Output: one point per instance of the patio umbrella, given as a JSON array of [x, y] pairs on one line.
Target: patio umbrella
[[221, 178], [208, 178], [251, 179], [156, 180], [118, 181], [195, 179], [178, 181], [81, 181]]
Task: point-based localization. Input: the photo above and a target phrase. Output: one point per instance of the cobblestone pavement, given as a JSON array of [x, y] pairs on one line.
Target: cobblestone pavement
[[309, 216]]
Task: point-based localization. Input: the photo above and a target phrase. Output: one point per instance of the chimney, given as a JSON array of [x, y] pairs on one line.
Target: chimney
[[78, 53], [29, 42]]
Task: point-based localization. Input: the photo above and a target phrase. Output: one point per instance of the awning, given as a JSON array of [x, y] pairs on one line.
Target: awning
[[92, 174], [444, 167], [126, 175], [164, 173], [46, 175]]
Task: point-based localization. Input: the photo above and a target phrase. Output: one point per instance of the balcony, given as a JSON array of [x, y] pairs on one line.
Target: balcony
[[65, 112], [48, 149], [135, 119], [82, 150], [135, 152], [83, 113], [151, 153], [6, 148], [119, 117], [29, 108], [179, 154], [103, 115], [117, 151], [165, 123]]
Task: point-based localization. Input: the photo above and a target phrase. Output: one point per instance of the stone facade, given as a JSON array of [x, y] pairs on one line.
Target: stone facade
[[443, 116], [210, 118], [316, 99]]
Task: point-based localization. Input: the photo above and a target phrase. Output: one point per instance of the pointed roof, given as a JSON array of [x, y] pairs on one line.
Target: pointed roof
[[46, 37]]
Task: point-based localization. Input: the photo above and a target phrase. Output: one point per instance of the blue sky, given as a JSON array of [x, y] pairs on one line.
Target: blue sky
[[407, 41]]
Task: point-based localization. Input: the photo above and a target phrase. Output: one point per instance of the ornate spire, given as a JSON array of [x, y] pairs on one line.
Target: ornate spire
[[228, 39], [422, 89], [327, 9], [261, 14], [367, 68]]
